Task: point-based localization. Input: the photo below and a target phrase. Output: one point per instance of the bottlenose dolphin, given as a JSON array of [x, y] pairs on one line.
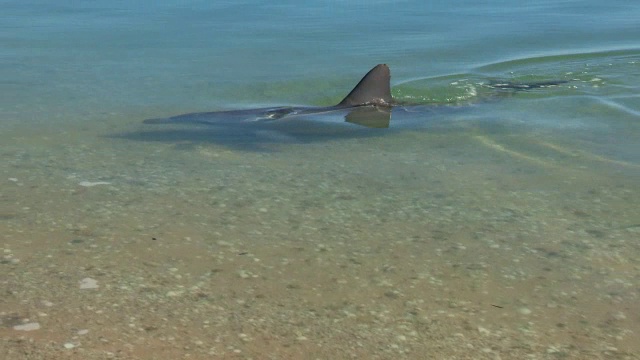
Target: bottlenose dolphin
[[368, 105]]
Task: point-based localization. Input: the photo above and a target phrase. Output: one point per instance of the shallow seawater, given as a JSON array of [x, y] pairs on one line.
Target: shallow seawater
[[485, 224]]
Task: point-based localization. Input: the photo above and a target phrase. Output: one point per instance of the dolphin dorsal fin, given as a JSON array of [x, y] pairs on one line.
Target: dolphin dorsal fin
[[374, 88]]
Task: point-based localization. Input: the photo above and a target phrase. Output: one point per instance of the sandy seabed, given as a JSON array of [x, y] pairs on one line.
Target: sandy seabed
[[416, 246]]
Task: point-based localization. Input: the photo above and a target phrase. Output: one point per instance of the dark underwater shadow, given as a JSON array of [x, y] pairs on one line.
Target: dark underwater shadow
[[270, 136], [244, 139]]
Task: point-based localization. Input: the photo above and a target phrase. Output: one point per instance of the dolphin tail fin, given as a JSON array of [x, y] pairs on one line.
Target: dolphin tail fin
[[509, 85], [373, 89]]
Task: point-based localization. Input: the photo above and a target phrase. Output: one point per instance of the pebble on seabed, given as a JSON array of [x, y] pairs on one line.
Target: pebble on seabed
[[94, 183], [27, 326], [524, 311], [88, 283]]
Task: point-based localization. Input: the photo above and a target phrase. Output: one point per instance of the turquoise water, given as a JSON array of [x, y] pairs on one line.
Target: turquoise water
[[488, 225], [77, 63]]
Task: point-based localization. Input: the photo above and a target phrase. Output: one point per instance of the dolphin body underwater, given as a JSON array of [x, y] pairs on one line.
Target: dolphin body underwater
[[368, 106]]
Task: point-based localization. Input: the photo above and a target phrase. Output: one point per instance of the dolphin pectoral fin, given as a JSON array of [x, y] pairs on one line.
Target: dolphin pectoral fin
[[373, 88], [370, 116], [276, 113]]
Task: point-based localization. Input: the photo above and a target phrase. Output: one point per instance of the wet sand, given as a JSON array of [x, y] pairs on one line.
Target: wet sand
[[413, 246]]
